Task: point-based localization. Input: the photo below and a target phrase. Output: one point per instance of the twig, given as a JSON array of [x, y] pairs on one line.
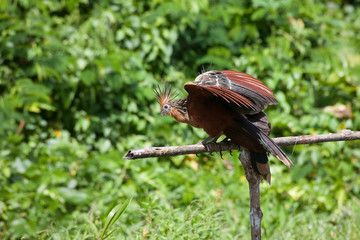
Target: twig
[[345, 135]]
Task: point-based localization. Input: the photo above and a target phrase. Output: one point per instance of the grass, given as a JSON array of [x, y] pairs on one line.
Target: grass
[[212, 202], [206, 219]]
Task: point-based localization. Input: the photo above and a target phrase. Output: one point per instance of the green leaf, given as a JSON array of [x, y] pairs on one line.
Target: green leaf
[[258, 14], [113, 216]]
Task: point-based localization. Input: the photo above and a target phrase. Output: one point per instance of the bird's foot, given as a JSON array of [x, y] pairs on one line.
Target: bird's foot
[[208, 142], [228, 141], [212, 141]]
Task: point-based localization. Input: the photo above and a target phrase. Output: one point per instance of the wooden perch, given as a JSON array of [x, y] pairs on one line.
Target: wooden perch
[[253, 178], [345, 135]]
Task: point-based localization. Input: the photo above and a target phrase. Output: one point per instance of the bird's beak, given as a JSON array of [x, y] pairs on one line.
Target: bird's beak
[[163, 113]]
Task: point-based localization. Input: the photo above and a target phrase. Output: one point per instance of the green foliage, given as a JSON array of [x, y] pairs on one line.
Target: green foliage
[[80, 75], [113, 216]]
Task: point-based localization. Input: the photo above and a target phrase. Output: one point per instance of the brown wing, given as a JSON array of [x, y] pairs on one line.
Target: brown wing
[[245, 91]]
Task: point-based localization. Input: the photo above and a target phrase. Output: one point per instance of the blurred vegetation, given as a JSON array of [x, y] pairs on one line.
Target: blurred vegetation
[[80, 73]]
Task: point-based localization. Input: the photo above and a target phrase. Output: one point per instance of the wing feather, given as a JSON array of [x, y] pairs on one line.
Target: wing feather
[[249, 94], [250, 82], [231, 96]]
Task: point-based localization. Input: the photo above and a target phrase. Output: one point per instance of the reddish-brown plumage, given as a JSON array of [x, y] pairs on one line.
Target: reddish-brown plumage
[[229, 103], [249, 81]]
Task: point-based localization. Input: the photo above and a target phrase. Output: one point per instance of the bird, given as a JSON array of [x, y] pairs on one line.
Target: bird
[[227, 103]]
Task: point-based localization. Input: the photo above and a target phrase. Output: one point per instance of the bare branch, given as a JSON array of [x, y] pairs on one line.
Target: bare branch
[[345, 135]]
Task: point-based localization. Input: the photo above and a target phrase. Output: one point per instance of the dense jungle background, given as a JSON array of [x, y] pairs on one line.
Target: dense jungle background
[[76, 80]]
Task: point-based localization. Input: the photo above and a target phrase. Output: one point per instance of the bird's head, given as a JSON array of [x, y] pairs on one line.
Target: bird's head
[[165, 98]]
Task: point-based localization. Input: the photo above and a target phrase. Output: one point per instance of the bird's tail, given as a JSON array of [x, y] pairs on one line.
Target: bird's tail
[[271, 147], [260, 163], [244, 135], [258, 132]]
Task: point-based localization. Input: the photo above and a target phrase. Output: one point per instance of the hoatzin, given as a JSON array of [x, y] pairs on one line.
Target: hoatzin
[[228, 103]]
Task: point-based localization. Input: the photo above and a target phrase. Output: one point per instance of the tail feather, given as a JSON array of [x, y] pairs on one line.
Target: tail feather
[[265, 141], [271, 147], [260, 163]]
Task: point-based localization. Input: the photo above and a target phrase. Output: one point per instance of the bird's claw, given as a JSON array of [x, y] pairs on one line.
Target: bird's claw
[[207, 147], [221, 155], [219, 148], [228, 141], [207, 143]]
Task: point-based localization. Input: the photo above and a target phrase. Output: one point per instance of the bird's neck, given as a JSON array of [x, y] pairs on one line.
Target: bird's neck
[[180, 112]]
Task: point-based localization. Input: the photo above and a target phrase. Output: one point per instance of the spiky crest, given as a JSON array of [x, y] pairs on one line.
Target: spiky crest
[[166, 95]]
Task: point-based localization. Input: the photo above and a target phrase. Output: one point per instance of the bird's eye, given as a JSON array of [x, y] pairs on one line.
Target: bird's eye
[[165, 109]]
